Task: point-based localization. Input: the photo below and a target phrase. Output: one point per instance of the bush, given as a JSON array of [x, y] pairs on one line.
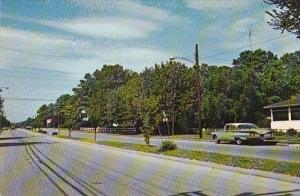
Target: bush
[[279, 133], [167, 145], [291, 132]]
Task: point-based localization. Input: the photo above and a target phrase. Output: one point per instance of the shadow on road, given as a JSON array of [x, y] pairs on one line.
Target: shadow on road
[[291, 192], [267, 143], [198, 193], [247, 143], [11, 138], [21, 144]]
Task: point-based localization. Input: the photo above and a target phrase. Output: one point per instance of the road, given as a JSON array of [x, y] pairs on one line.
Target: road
[[280, 153], [34, 164]]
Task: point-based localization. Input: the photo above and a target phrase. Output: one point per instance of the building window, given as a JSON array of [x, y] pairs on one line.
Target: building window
[[295, 113], [280, 114]]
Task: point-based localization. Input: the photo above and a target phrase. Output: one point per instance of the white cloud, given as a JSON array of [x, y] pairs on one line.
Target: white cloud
[[9, 34], [27, 54], [243, 25], [217, 4], [130, 8], [25, 48], [114, 28], [132, 19]]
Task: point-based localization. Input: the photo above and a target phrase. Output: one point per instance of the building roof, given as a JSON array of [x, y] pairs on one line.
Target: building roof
[[294, 101]]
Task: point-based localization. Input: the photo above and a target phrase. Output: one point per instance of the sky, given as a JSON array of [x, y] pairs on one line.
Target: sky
[[47, 46]]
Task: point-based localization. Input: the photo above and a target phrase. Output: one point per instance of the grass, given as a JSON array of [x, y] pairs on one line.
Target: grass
[[192, 137], [288, 139], [283, 167]]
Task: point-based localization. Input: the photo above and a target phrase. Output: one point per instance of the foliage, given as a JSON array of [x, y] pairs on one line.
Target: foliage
[[164, 95], [291, 132], [3, 121], [279, 133], [1, 104], [286, 16], [167, 145]]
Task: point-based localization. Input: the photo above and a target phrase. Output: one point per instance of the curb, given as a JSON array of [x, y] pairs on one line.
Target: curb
[[253, 172]]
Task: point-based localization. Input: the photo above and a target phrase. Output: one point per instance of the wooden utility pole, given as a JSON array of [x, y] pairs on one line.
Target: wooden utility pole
[[198, 90]]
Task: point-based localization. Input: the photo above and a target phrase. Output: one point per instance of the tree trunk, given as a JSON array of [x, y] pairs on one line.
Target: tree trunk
[[168, 128], [159, 129], [70, 131]]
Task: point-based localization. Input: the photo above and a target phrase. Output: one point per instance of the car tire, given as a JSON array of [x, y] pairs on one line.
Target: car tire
[[238, 141], [216, 139]]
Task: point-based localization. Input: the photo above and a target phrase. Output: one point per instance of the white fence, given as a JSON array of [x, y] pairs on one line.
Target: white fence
[[108, 130]]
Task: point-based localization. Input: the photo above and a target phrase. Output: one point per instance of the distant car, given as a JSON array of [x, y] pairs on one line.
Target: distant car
[[28, 127], [242, 132], [51, 131]]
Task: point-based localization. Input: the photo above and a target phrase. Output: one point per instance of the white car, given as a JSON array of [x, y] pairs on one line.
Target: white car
[[52, 131], [241, 132]]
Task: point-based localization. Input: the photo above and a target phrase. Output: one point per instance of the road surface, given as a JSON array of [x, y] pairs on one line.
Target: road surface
[[280, 153], [34, 164]]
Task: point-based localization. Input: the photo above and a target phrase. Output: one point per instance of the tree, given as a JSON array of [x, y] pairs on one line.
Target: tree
[[129, 102], [3, 121], [40, 120], [286, 16], [148, 113], [1, 104], [70, 112], [113, 95]]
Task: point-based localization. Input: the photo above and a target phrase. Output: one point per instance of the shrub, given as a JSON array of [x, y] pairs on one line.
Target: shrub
[[167, 145], [279, 133], [208, 131], [291, 132]]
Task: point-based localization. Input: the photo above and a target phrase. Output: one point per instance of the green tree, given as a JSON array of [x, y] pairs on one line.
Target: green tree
[[149, 114], [70, 112], [286, 16], [41, 117], [1, 103], [167, 90], [129, 102]]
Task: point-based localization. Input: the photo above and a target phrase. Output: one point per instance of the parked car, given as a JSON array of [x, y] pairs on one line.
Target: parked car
[[242, 132], [51, 131]]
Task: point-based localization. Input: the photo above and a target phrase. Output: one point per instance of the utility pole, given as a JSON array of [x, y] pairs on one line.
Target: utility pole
[[249, 35], [198, 90]]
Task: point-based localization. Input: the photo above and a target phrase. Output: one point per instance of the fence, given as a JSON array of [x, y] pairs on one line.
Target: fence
[[110, 130]]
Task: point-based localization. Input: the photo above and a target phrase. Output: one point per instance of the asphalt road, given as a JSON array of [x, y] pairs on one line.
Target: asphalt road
[[34, 164], [280, 153]]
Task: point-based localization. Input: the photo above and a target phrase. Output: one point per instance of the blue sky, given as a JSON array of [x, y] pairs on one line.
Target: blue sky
[[47, 46]]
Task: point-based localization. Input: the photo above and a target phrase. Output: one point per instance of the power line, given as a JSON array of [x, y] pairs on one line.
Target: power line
[[26, 99], [233, 50], [37, 53], [76, 57], [137, 60]]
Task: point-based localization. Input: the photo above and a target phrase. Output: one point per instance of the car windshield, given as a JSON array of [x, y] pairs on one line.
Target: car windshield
[[247, 126]]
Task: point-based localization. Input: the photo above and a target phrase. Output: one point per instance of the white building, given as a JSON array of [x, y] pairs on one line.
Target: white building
[[286, 114]]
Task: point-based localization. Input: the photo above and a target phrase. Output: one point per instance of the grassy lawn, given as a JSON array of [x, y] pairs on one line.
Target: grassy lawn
[[283, 167], [288, 139], [192, 137]]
